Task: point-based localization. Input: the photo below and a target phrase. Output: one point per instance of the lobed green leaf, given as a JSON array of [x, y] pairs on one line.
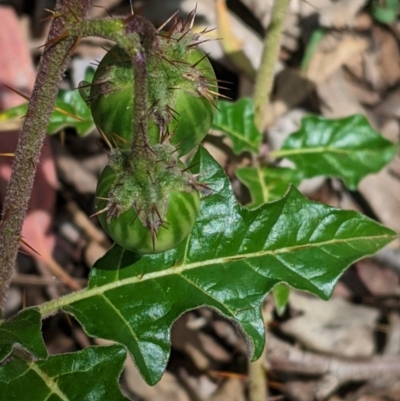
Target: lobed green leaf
[[232, 259], [88, 375]]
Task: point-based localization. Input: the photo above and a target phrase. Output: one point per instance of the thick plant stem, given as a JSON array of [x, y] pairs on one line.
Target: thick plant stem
[[52, 65], [148, 35], [265, 75], [140, 141], [263, 88]]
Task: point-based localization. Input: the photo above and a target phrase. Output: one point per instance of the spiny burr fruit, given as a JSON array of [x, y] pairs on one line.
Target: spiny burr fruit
[[181, 92], [147, 205]]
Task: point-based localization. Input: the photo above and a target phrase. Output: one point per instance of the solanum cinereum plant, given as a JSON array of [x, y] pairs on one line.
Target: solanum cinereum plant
[[182, 239]]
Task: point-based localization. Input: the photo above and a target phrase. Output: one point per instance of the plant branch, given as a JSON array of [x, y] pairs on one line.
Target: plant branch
[[52, 65], [262, 93], [148, 35], [265, 74]]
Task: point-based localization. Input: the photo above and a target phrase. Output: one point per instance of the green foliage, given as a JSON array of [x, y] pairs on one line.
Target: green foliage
[[281, 297], [78, 116], [348, 148], [70, 111], [385, 11], [91, 374], [23, 331], [232, 259], [267, 184], [236, 120]]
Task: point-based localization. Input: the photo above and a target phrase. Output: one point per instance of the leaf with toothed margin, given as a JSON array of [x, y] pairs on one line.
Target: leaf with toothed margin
[[236, 120], [91, 374], [232, 259], [24, 331]]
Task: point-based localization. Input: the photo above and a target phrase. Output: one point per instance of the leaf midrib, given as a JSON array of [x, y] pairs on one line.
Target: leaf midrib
[[227, 130], [50, 307], [320, 149], [50, 383]]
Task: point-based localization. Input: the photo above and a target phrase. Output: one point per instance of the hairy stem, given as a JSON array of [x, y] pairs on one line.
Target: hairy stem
[[137, 37], [52, 65], [265, 74], [134, 35], [148, 36], [140, 140]]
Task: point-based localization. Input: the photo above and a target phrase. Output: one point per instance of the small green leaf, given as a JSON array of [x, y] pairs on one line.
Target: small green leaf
[[385, 11], [72, 103], [23, 330], [281, 296], [267, 184], [315, 39], [348, 148], [232, 259], [69, 101], [14, 113], [88, 375], [237, 121], [12, 119]]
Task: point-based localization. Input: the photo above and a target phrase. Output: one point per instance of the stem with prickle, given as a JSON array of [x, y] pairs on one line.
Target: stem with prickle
[[136, 36], [140, 141], [52, 65]]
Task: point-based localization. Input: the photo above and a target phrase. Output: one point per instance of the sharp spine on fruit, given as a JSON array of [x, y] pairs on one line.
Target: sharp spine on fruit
[[199, 61], [103, 135], [195, 44], [171, 30], [190, 19], [169, 61], [21, 239], [205, 31], [100, 211], [167, 21], [183, 35]]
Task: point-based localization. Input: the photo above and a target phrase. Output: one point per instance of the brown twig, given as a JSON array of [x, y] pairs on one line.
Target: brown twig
[[333, 371]]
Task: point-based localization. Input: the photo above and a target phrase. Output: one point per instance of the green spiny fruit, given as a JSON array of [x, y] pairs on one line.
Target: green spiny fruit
[[181, 93], [147, 205]]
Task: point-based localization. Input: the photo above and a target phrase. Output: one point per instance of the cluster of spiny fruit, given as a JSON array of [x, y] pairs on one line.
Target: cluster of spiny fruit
[[147, 200]]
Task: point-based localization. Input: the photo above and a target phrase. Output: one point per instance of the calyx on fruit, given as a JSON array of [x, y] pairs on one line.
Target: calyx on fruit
[[147, 205]]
